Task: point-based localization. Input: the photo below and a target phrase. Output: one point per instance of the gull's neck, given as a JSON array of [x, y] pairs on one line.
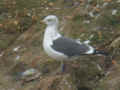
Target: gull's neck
[[51, 33]]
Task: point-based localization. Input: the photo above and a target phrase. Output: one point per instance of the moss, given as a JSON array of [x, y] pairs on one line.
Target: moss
[[78, 19], [3, 44], [52, 0]]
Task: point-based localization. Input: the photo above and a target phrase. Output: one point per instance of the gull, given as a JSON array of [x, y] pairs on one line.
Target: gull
[[62, 48]]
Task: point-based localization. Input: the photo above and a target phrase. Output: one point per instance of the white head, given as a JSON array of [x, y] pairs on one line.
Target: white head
[[51, 20]]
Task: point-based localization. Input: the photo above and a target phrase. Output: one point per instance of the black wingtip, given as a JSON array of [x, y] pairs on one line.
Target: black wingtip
[[101, 52]]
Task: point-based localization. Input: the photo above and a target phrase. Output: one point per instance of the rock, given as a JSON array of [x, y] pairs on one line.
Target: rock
[[115, 43], [57, 82]]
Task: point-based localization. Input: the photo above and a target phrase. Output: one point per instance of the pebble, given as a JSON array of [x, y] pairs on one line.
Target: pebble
[[29, 72], [47, 8], [51, 4], [105, 4], [16, 49], [91, 14], [97, 6], [17, 57], [99, 67], [30, 75], [114, 11], [91, 36], [1, 54], [86, 21], [97, 16], [29, 14]]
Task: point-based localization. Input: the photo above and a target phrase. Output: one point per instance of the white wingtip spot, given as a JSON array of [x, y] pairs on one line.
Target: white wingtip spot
[[90, 51]]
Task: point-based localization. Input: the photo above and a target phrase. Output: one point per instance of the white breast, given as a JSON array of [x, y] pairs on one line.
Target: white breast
[[50, 35]]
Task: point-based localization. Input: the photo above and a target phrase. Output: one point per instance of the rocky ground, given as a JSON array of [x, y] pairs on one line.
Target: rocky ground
[[25, 66]]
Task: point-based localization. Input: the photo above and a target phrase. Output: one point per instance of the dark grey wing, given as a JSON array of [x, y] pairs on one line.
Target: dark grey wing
[[69, 47]]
